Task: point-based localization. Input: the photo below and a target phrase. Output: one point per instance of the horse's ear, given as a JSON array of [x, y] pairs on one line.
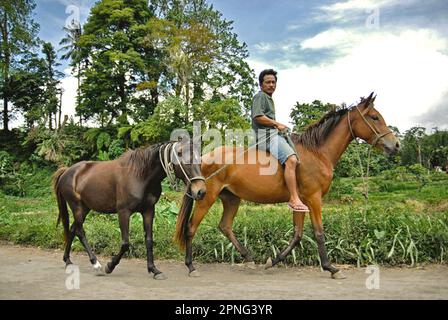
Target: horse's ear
[[368, 101]]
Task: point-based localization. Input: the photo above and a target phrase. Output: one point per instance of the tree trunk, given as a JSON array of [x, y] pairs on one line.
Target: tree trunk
[[5, 111], [419, 153], [187, 102], [60, 110], [7, 62], [78, 92], [50, 120]]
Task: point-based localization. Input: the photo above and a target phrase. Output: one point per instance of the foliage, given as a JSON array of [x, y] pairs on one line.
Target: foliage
[[134, 53], [360, 158], [19, 35], [62, 147], [117, 63], [168, 115], [204, 53], [304, 114], [221, 114], [420, 173]]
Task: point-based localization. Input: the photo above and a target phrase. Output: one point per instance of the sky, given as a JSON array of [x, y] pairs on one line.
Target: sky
[[334, 51]]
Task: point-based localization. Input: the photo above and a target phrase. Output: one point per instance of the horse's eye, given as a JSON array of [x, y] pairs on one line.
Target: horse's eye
[[374, 117]]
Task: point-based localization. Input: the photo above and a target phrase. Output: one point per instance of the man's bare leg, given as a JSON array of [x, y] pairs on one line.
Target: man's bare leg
[[291, 183]]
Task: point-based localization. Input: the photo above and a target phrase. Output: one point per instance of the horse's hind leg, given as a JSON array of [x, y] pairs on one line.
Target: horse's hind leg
[[68, 245], [148, 218], [75, 207], [231, 204], [123, 218], [298, 219], [80, 218]]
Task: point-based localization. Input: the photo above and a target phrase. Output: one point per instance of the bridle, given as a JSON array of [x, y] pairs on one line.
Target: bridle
[[168, 165], [378, 135]]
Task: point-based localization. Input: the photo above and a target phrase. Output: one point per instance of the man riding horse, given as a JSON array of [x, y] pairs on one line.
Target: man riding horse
[[265, 125]]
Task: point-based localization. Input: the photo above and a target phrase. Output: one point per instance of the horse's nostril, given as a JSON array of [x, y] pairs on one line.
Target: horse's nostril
[[397, 145]]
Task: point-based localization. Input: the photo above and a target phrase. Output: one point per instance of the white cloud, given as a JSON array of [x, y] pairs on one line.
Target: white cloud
[[356, 5], [407, 70], [335, 38], [264, 46]]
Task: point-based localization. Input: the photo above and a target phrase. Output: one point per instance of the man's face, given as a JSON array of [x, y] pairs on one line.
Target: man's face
[[269, 84]]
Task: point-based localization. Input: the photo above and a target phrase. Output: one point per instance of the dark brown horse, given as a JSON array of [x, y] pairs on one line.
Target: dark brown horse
[[319, 147], [126, 185]]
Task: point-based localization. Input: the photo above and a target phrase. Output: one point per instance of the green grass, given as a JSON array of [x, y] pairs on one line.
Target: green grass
[[405, 225]]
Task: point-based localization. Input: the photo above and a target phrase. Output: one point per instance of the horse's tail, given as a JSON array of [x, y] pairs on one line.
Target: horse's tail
[[183, 218], [62, 204]]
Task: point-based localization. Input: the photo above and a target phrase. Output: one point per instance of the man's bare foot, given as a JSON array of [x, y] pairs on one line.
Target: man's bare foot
[[298, 207]]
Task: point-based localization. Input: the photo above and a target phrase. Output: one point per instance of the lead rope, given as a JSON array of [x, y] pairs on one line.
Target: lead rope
[[225, 166], [167, 165], [365, 178]]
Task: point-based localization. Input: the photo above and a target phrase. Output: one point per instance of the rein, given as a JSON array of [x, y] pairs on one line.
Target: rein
[[378, 135]]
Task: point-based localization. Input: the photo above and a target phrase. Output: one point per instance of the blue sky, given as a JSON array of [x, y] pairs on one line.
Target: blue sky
[[335, 51]]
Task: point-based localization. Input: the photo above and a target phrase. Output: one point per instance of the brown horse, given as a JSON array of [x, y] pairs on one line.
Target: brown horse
[[319, 147], [131, 183]]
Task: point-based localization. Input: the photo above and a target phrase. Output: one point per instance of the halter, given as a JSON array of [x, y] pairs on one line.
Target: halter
[[168, 166], [378, 135]]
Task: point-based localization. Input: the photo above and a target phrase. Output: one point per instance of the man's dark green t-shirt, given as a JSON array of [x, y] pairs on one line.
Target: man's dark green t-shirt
[[262, 105]]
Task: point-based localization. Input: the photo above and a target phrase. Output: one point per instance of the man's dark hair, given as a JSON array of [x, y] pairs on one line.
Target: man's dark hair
[[266, 72]]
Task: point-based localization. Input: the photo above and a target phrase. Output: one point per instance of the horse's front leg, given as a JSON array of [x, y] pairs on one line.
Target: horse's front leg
[[315, 206], [298, 219], [148, 218], [123, 218]]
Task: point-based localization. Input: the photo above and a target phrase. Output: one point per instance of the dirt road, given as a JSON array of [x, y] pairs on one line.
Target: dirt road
[[31, 273]]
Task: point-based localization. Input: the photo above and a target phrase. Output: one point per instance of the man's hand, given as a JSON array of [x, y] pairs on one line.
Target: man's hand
[[263, 120], [281, 127]]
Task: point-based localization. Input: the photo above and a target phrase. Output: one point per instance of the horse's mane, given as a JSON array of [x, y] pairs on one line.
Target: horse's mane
[[316, 133], [141, 159]]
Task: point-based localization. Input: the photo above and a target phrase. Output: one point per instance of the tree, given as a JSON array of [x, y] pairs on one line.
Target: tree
[[28, 89], [304, 114], [205, 56], [411, 151], [51, 80], [18, 35], [111, 42], [71, 51], [435, 148]]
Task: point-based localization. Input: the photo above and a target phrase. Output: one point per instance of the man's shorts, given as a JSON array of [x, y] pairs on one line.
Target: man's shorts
[[278, 147]]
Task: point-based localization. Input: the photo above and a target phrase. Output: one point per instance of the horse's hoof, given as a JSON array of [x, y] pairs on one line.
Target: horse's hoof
[[194, 274], [160, 276], [338, 275], [108, 269], [250, 265], [268, 263], [99, 271]]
